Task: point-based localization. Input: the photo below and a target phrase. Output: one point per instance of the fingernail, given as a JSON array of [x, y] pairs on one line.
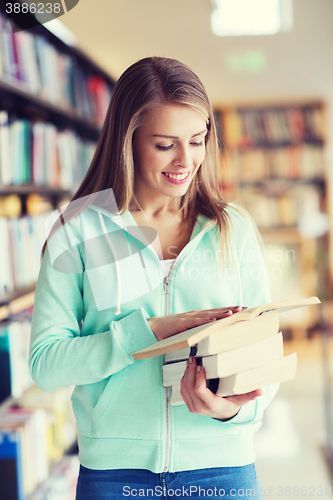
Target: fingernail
[[227, 311], [198, 368], [190, 359], [211, 319], [187, 364]]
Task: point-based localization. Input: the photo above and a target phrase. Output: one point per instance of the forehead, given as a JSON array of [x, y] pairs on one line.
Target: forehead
[[174, 116]]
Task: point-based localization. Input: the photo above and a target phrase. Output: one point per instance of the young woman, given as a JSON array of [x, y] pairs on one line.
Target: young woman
[[148, 248]]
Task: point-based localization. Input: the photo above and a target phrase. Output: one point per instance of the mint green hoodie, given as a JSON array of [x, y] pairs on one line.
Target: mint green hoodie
[[99, 282]]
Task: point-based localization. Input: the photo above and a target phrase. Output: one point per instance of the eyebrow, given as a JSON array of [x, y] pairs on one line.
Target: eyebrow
[[175, 137]]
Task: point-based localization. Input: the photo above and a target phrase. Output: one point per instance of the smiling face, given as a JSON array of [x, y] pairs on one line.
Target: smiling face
[[168, 150]]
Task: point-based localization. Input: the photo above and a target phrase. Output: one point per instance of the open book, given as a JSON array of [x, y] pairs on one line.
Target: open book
[[193, 336]]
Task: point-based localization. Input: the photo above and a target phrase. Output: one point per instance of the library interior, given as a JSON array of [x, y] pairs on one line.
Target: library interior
[[267, 66]]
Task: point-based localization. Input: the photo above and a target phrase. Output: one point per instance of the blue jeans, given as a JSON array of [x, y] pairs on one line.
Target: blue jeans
[[234, 483]]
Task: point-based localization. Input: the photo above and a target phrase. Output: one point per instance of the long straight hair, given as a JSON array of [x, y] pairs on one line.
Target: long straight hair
[[147, 84]]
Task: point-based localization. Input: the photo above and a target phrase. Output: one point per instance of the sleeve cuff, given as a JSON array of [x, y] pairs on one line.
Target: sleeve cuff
[[246, 413], [133, 332]]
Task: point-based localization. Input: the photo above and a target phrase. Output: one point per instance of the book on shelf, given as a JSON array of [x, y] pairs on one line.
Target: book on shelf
[[21, 241], [55, 486], [40, 153], [24, 46], [6, 263], [34, 434], [281, 125], [30, 428], [31, 61], [11, 464], [100, 91], [280, 370], [14, 349], [193, 336], [284, 205], [10, 67], [302, 161], [5, 154]]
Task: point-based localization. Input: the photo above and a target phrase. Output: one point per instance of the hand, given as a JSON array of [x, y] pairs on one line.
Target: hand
[[199, 399], [166, 326]]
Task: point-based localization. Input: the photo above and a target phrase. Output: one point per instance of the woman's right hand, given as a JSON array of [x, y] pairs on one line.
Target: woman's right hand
[[166, 326]]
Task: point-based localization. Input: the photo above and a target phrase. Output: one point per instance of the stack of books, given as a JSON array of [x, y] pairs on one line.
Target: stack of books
[[240, 353]]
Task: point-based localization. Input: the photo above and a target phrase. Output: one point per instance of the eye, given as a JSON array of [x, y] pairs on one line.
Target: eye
[[197, 143], [164, 148]]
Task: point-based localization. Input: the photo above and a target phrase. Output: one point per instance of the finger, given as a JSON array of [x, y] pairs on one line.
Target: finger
[[184, 390], [203, 313], [190, 385], [228, 308], [242, 399], [221, 312], [198, 388], [191, 372], [200, 317]]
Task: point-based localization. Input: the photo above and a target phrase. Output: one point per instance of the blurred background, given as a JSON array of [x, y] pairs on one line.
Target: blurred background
[[268, 69]]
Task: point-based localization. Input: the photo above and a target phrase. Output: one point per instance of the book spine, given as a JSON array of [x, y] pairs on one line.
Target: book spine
[[11, 465]]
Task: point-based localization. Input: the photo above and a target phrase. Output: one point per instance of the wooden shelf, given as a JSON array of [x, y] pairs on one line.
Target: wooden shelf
[[276, 145], [18, 99], [283, 182], [17, 294], [26, 189], [17, 302]]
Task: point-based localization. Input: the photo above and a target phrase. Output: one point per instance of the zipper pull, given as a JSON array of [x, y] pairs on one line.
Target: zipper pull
[[166, 284]]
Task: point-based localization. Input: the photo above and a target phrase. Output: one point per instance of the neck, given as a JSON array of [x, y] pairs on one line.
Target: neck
[[153, 209]]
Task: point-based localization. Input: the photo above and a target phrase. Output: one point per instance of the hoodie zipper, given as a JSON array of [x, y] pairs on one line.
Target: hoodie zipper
[[167, 389]]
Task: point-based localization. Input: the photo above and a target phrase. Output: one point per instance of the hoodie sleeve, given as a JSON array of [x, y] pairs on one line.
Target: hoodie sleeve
[[59, 354], [254, 291]]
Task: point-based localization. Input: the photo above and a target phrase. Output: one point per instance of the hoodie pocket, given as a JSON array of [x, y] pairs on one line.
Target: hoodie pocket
[[131, 405], [105, 400]]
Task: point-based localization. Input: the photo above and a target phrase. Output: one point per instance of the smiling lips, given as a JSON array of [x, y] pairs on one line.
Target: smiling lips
[[176, 178]]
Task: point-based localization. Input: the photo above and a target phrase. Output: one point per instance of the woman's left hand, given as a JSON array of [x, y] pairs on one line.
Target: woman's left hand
[[199, 399]]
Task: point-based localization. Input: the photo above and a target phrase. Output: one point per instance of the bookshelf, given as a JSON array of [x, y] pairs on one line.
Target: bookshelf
[[53, 100], [274, 164]]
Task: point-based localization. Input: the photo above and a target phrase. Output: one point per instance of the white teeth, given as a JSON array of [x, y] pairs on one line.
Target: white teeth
[[178, 177]]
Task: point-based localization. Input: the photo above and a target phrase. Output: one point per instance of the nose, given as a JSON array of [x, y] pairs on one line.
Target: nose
[[183, 158]]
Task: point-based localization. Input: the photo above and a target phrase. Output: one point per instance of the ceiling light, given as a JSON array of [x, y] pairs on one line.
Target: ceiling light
[[251, 17]]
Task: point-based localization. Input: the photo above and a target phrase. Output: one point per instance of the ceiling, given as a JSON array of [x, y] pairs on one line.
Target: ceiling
[[116, 33]]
